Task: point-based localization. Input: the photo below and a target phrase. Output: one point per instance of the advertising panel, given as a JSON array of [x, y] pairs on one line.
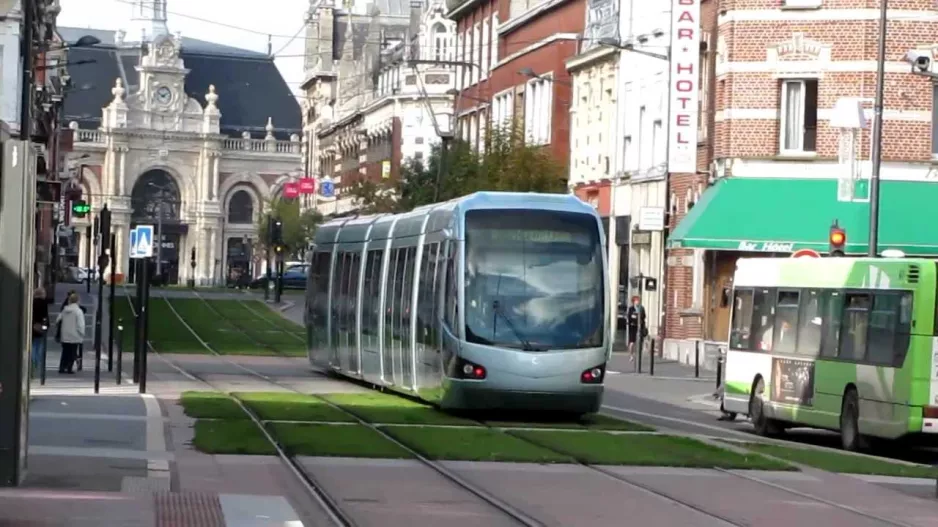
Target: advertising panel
[[792, 381]]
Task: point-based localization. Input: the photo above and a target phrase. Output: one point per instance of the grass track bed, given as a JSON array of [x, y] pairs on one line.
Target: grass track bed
[[600, 448], [212, 405], [231, 437], [220, 333], [165, 332], [376, 407], [472, 444], [353, 440], [842, 462], [285, 406]]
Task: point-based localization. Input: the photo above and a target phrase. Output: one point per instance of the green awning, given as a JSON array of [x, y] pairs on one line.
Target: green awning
[[784, 215]]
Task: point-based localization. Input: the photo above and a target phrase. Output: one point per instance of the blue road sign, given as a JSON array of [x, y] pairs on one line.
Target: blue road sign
[[327, 188], [133, 243], [142, 247]]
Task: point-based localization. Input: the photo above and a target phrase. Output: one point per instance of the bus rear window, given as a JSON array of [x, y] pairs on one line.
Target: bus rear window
[[763, 319]]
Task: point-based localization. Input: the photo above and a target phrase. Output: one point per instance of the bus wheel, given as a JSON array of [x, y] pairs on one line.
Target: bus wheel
[[850, 436], [763, 425]]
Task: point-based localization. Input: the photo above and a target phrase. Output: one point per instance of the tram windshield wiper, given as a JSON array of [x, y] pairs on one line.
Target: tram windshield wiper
[[525, 345]]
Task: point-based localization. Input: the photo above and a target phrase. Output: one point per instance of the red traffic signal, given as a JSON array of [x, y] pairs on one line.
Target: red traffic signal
[[837, 240]]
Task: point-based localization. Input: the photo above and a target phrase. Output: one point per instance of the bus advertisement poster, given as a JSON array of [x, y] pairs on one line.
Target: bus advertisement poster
[[793, 381]]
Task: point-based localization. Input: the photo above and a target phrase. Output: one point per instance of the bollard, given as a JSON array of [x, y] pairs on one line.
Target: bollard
[[45, 346], [697, 359], [651, 358], [719, 368], [640, 344], [120, 348]]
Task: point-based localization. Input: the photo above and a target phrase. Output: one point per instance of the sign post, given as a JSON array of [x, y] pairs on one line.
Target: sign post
[[141, 249]]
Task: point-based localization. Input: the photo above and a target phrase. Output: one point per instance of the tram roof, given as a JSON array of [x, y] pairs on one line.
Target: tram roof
[[380, 226]]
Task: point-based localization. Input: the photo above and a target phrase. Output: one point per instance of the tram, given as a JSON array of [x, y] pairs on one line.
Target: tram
[[490, 301]]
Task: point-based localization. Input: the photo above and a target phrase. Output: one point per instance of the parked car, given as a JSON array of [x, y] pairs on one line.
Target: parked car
[[294, 277]]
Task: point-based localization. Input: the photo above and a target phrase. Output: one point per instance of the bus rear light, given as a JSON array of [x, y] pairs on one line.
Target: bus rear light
[[930, 412], [593, 375]]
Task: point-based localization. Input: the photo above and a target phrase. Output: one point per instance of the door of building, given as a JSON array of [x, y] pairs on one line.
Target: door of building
[[723, 266]]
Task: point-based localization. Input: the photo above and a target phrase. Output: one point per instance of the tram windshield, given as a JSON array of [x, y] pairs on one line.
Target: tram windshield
[[534, 279]]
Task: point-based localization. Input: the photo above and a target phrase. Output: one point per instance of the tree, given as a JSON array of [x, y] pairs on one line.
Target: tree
[[507, 164], [299, 228]]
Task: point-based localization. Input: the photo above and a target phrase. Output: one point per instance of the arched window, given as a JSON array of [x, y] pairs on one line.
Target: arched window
[[440, 51], [155, 194], [241, 208]]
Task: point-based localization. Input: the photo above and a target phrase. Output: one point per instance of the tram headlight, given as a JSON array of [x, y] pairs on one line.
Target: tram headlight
[[469, 370], [593, 375]]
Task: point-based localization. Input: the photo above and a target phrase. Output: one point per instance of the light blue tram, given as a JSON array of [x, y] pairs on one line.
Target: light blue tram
[[493, 300]]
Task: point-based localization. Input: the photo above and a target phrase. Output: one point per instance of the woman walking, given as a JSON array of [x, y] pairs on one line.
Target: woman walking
[[40, 326], [71, 332]]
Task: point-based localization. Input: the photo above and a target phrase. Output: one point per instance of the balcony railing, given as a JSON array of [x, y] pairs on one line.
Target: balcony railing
[[97, 137]]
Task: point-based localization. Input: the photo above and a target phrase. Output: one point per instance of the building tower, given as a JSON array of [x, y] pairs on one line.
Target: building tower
[[148, 20]]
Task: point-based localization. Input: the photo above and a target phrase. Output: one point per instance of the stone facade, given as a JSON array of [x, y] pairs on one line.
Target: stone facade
[[159, 137]]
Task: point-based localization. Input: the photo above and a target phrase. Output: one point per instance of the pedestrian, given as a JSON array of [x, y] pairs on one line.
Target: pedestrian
[[81, 347], [635, 316], [70, 332], [40, 326]]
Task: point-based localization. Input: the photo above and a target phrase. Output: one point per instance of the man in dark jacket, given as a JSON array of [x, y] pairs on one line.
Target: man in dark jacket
[[638, 325]]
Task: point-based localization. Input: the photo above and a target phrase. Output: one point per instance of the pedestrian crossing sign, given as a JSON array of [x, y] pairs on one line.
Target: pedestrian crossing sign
[[141, 241]]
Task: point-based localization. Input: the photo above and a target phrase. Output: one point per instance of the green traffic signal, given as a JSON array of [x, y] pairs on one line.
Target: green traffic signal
[[80, 208]]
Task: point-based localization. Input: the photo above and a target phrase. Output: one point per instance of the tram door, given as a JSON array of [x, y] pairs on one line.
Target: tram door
[[351, 349], [387, 350], [407, 299], [338, 306]]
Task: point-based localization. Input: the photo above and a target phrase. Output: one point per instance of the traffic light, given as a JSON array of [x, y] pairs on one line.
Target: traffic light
[[105, 228], [80, 208], [276, 235], [837, 240]]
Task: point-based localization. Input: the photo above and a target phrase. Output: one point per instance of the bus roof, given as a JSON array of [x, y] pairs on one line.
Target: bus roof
[[867, 273]]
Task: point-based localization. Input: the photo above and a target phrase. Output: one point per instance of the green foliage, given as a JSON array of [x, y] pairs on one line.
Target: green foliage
[[507, 164], [298, 227]]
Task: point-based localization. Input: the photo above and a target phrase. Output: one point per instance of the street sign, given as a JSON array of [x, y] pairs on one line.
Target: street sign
[[141, 242], [327, 188], [805, 253]]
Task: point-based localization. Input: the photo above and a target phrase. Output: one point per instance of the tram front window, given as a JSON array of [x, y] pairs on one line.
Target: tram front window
[[534, 280]]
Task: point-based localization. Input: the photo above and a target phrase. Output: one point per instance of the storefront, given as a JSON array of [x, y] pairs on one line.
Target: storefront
[[750, 217]]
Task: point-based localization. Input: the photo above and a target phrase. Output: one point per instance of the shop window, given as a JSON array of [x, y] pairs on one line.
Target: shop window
[[763, 319], [856, 321], [742, 317], [785, 328], [810, 323], [799, 116]]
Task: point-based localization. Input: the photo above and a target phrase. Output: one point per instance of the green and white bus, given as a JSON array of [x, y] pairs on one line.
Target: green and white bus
[[844, 344]]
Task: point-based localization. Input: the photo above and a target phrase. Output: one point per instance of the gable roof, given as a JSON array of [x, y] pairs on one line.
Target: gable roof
[[250, 87]]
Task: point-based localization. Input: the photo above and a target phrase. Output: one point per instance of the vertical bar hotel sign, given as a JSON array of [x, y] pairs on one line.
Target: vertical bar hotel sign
[[685, 86]]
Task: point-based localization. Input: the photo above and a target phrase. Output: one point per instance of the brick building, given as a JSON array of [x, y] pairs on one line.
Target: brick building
[[520, 78], [789, 91]]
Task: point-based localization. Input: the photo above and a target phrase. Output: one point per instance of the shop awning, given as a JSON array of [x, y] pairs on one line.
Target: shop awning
[[784, 215]]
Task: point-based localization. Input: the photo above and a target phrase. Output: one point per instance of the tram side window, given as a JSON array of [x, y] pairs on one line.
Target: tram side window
[[424, 292], [742, 316], [367, 295], [763, 315], [890, 323], [785, 329], [856, 321], [451, 289], [810, 323], [354, 276]]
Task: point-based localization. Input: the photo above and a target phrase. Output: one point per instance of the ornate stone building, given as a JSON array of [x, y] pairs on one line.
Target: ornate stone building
[[185, 133]]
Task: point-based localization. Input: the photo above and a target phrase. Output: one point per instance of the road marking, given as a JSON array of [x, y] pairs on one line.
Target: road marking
[[156, 441], [110, 417], [681, 421], [242, 510]]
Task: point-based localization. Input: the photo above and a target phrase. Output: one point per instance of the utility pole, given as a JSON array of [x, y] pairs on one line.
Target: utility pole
[[877, 142], [159, 243]]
